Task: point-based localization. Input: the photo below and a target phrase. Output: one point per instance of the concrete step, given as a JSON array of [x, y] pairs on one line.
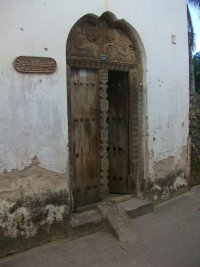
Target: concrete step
[[136, 207], [112, 216], [119, 221]]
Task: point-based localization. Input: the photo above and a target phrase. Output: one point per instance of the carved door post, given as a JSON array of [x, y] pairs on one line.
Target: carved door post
[[103, 79]]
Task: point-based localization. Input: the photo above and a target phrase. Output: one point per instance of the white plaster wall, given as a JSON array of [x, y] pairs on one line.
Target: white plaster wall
[[33, 108]]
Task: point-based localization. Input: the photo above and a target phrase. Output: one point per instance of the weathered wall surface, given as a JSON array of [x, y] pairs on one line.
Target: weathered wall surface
[[34, 207], [33, 108], [195, 136]]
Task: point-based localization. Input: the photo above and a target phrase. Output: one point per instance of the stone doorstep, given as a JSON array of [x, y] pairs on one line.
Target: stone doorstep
[[117, 215], [116, 198], [137, 207], [119, 221], [86, 208]]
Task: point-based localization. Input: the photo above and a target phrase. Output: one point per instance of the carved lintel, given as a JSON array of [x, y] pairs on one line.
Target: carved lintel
[[26, 64], [96, 64], [98, 40]]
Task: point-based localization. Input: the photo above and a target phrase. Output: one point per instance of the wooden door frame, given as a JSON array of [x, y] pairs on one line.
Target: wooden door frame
[[135, 76]]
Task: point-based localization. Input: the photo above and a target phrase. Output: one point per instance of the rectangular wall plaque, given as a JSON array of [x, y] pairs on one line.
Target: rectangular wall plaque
[[26, 64]]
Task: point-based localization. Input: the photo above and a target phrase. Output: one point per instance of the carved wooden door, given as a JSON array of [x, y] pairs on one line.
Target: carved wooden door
[[118, 132], [85, 138]]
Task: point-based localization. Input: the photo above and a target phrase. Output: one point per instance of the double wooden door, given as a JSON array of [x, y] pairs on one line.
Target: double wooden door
[[85, 136]]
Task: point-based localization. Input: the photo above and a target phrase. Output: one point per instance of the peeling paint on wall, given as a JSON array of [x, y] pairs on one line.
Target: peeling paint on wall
[[170, 164], [163, 189], [25, 216], [31, 199], [16, 223], [180, 181], [32, 180]]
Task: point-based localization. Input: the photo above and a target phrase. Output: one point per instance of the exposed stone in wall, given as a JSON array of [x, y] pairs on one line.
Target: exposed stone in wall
[[195, 136]]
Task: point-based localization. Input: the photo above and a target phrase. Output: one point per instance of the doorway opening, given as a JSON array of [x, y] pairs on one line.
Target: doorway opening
[[118, 132]]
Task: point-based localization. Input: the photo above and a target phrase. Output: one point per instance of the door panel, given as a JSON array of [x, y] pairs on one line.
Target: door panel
[[85, 139], [118, 132]]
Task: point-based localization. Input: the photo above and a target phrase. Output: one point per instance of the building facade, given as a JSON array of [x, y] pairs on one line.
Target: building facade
[[94, 100]]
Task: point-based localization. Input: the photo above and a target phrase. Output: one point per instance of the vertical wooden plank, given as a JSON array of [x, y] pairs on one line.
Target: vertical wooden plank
[[118, 127], [86, 141]]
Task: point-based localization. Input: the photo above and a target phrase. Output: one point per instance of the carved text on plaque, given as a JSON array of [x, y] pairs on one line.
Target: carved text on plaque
[[28, 64]]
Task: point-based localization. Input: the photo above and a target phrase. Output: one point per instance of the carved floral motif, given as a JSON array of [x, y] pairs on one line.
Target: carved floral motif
[[100, 42], [103, 77]]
